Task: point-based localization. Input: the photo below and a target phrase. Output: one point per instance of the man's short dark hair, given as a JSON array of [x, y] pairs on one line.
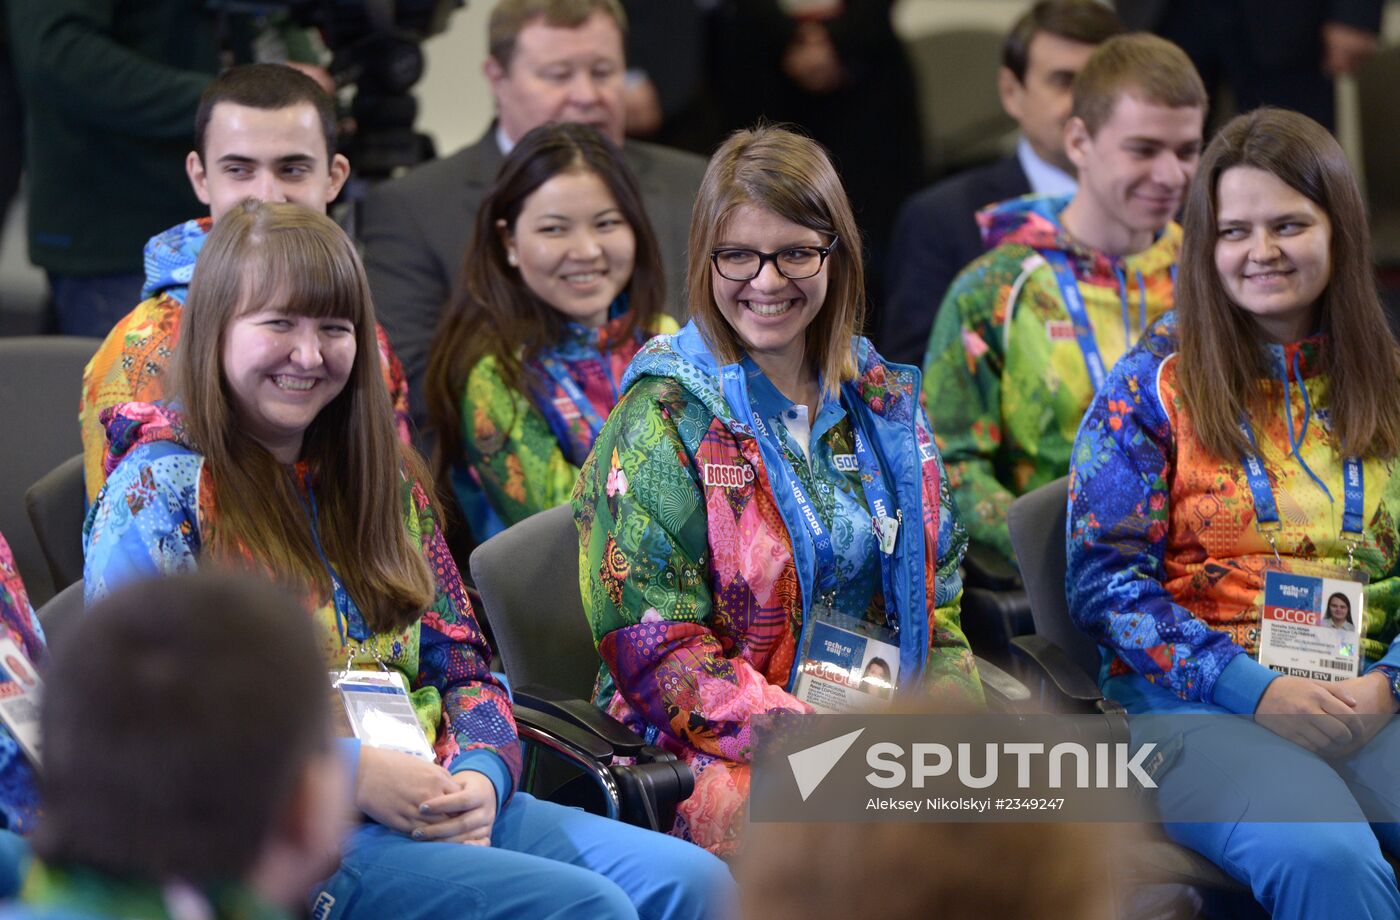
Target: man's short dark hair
[[176, 724], [266, 86], [1087, 21]]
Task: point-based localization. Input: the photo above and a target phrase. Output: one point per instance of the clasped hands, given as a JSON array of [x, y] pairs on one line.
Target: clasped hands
[[421, 799], [1342, 717]]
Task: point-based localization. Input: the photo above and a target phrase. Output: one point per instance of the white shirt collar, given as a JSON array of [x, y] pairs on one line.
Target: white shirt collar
[[503, 142], [1045, 178]]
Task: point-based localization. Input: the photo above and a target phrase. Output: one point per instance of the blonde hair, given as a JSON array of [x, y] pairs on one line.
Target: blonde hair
[[262, 254], [1148, 67], [778, 170]]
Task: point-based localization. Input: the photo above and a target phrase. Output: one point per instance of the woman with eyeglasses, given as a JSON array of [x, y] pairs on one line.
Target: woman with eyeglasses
[[561, 285], [765, 477]]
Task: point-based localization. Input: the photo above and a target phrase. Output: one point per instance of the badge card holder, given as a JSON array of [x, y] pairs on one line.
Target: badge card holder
[[380, 712], [848, 664], [1312, 620], [20, 689], [1313, 612]]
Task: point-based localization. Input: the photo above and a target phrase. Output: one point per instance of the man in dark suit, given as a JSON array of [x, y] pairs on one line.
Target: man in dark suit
[[935, 234], [1267, 53], [549, 61]]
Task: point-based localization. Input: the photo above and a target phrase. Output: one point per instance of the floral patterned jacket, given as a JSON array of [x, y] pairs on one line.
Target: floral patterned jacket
[[1004, 380], [694, 585], [131, 362], [19, 799], [1166, 566], [525, 448], [159, 507]]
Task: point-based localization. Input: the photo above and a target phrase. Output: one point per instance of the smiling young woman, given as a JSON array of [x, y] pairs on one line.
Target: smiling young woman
[[740, 442], [560, 286], [1252, 435], [279, 455]]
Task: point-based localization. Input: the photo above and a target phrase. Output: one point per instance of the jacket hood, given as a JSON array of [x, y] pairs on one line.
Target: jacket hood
[[170, 258], [129, 425], [887, 389], [1033, 221]]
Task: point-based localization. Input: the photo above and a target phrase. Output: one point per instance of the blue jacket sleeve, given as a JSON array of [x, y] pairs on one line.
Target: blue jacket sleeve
[[145, 521], [1118, 525]]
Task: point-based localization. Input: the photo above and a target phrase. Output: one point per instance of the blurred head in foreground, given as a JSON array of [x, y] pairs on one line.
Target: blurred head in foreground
[[186, 738], [904, 871]]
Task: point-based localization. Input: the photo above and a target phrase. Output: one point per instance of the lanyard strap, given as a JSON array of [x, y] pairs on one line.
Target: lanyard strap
[[347, 614], [559, 373], [877, 493], [821, 537], [1266, 509], [1078, 315]]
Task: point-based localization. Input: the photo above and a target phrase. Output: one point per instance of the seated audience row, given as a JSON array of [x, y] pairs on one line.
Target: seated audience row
[[763, 474]]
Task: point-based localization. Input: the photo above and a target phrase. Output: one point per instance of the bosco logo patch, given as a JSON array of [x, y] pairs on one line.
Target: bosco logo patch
[[728, 475], [1059, 330]]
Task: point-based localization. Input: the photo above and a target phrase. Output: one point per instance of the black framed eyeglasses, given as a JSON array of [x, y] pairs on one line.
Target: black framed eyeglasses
[[794, 263]]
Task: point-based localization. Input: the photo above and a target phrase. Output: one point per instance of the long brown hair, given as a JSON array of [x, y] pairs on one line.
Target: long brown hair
[[259, 255], [779, 170], [1223, 356], [493, 313]]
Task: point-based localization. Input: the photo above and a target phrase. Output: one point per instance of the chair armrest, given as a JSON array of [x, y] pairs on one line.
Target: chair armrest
[[1055, 666], [987, 568], [585, 717], [1001, 689], [644, 793]]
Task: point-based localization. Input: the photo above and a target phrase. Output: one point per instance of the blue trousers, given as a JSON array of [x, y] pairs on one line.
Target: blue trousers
[[1311, 870], [544, 861]]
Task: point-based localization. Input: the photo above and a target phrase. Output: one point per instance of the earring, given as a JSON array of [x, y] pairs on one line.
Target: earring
[[511, 259]]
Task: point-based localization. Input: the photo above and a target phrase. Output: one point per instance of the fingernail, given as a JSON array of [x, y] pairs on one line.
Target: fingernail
[[423, 809], [417, 833]]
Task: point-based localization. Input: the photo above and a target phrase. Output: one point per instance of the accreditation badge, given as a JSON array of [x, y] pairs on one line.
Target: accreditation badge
[[20, 690], [379, 711], [1312, 621], [848, 664]]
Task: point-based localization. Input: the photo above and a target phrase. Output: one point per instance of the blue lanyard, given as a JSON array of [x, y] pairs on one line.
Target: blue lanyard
[[1266, 509], [784, 479], [346, 610], [788, 480], [1078, 315], [558, 372]]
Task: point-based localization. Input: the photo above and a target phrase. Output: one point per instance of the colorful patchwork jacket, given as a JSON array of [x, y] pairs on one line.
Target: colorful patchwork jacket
[[693, 586], [1005, 382], [130, 363], [525, 449], [19, 800], [159, 506], [1166, 565]]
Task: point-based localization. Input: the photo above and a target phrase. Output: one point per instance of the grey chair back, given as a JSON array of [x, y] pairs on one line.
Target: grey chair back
[[528, 579], [61, 615], [963, 121], [1037, 522], [40, 382], [56, 506]]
